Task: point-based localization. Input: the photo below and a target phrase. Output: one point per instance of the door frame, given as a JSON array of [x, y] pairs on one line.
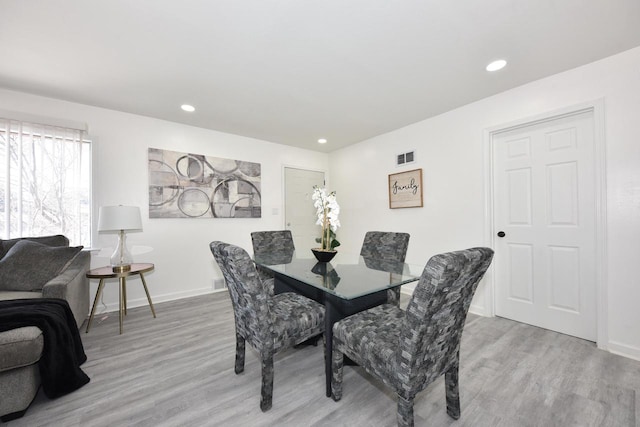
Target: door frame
[[597, 108]]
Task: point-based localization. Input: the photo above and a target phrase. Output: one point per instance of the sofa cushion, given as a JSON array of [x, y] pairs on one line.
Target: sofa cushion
[[55, 240], [9, 295], [28, 265], [20, 347]]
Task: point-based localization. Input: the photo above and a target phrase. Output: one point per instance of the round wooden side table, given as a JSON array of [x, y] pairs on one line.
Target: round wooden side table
[[103, 273]]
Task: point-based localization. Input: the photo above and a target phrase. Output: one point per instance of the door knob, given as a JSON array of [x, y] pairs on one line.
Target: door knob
[[501, 234]]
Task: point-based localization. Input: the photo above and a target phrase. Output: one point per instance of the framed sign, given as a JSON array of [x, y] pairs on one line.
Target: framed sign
[[405, 189]]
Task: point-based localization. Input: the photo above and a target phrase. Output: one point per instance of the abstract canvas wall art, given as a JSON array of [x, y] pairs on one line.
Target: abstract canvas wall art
[[186, 185]]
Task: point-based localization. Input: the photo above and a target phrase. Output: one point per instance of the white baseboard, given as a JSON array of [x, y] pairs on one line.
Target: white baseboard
[[624, 350], [477, 310], [408, 288], [140, 302]]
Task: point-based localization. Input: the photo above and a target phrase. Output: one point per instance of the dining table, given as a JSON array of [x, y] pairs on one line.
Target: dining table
[[346, 285]]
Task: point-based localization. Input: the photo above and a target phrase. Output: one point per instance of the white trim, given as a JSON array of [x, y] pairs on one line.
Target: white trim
[[597, 108], [409, 287], [95, 165], [157, 299], [624, 350], [602, 282], [49, 121], [487, 149], [477, 309]]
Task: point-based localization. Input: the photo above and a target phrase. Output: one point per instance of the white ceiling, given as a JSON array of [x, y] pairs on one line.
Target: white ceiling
[[292, 71]]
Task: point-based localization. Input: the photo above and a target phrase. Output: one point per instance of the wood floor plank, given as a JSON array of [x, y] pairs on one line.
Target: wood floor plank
[[177, 370]]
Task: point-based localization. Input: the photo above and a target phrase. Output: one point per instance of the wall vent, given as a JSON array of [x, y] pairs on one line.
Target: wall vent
[[406, 158]]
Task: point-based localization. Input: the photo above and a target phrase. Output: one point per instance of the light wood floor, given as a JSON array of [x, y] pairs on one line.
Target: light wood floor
[[177, 370]]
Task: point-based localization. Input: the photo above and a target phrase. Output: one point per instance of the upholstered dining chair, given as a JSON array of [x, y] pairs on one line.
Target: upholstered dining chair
[[387, 246], [409, 349], [272, 241], [276, 245], [270, 323]]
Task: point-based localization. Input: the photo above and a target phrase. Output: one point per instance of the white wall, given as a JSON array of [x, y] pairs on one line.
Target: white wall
[[179, 248], [450, 153]]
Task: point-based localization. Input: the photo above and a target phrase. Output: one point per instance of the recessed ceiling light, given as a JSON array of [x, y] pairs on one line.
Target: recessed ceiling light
[[322, 141], [188, 108], [496, 65]]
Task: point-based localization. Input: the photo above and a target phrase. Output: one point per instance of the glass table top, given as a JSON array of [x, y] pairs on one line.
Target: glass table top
[[346, 276]]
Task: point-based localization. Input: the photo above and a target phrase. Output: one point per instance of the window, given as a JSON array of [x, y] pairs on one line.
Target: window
[[45, 181]]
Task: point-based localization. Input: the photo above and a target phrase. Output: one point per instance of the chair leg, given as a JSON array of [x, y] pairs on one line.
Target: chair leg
[[13, 416], [337, 361], [393, 296], [314, 340], [266, 393], [240, 345], [405, 412], [453, 396]]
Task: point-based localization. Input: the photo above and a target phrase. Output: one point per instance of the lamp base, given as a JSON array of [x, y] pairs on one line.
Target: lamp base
[[121, 259], [121, 268]]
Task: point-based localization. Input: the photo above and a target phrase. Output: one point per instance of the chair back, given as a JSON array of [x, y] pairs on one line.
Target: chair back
[[435, 316], [385, 245], [269, 242], [248, 297]]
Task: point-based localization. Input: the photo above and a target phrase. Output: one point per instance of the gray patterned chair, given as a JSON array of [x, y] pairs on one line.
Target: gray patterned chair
[[387, 246], [409, 349], [270, 323], [277, 245]]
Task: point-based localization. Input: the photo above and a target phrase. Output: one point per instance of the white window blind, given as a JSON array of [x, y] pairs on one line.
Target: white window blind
[[45, 181]]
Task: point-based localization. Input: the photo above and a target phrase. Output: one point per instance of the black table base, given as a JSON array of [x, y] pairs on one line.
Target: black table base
[[336, 309]]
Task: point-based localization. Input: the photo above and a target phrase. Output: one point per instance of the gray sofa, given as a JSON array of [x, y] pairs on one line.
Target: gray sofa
[[24, 271]]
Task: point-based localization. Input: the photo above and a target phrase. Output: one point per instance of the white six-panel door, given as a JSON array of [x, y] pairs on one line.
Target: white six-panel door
[[544, 205]]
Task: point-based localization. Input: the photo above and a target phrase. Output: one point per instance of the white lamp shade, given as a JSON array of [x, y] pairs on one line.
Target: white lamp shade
[[115, 218]]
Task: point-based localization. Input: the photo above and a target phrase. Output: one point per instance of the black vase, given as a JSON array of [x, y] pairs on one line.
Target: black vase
[[323, 256], [330, 278]]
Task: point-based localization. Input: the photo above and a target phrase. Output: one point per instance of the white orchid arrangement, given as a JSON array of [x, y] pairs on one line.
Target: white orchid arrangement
[[327, 209]]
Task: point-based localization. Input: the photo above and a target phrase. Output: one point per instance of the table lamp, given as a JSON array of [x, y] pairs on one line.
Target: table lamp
[[120, 218]]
